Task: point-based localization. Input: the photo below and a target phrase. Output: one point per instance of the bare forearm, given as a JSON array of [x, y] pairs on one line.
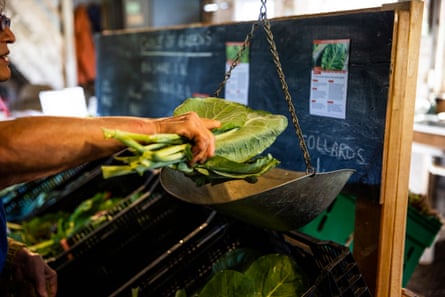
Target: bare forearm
[[41, 146]]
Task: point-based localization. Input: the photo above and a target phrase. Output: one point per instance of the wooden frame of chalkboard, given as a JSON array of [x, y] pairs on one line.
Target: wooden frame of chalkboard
[[150, 72]]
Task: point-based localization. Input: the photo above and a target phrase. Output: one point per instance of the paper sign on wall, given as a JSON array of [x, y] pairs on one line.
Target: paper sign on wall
[[237, 86], [329, 78]]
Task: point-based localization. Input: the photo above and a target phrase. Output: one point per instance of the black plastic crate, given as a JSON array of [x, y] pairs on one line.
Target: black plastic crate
[[21, 200], [124, 189], [188, 264], [86, 186], [27, 200], [332, 267], [104, 257], [92, 235]]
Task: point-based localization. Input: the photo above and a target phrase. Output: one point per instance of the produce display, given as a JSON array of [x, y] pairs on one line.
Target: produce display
[[45, 234], [239, 273], [243, 136], [421, 204], [249, 273]]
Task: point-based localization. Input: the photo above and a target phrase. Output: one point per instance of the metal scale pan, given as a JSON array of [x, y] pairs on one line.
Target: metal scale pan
[[280, 200]]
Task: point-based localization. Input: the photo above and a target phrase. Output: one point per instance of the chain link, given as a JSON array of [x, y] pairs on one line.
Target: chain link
[[235, 61], [287, 96], [263, 11], [273, 49]]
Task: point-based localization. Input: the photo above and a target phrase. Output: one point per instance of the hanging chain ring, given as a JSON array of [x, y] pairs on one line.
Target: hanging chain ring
[[263, 11], [310, 170]]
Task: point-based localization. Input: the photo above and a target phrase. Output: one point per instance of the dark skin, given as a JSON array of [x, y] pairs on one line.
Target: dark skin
[[39, 146]]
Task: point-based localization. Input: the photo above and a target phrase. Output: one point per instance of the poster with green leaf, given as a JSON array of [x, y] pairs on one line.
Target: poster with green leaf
[[329, 78], [237, 85]]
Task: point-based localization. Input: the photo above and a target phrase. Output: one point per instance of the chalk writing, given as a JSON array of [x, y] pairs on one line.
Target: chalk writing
[[106, 99], [167, 41], [335, 149], [194, 40], [172, 88], [171, 67]]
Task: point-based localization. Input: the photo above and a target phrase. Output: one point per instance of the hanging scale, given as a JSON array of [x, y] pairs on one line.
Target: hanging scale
[[281, 199]]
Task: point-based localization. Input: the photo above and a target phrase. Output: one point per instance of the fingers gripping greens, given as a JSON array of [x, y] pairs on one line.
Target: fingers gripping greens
[[244, 134], [248, 132]]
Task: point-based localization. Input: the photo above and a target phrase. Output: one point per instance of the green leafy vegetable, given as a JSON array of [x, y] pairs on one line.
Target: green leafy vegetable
[[43, 234], [276, 275], [247, 133], [334, 56], [244, 134], [269, 275], [421, 204], [229, 283]]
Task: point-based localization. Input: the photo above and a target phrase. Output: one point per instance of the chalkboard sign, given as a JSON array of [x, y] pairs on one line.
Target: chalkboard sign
[[149, 73]]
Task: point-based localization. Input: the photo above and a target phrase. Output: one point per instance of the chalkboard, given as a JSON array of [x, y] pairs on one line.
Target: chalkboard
[[149, 73]]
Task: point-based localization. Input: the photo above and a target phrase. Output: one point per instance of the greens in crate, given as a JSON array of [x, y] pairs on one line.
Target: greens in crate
[[44, 234], [237, 274], [243, 136]]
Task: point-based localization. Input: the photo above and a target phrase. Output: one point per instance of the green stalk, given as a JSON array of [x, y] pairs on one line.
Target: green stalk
[[170, 153], [144, 138], [112, 171]]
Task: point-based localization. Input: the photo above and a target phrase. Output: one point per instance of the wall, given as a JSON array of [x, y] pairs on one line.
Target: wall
[[38, 50]]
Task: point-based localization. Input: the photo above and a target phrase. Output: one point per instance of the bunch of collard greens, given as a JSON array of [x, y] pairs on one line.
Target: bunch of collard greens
[[243, 136], [268, 275], [43, 234]]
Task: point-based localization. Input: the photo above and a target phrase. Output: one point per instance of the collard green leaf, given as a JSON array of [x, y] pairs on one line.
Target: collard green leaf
[[276, 275], [271, 275], [228, 283], [219, 169], [252, 131]]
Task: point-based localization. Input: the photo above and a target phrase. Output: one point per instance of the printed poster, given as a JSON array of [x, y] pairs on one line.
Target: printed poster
[[237, 86], [329, 78]]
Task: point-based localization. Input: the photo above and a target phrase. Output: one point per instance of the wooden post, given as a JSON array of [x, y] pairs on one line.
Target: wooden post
[[397, 149]]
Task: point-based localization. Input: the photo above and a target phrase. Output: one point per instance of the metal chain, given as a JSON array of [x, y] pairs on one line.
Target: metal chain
[[287, 96], [236, 59], [246, 42], [273, 49], [263, 11]]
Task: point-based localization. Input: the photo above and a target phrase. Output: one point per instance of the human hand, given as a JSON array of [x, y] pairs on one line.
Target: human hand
[[32, 268], [196, 129]]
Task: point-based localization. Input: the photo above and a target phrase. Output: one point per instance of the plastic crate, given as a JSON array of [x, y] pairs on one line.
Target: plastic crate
[[25, 201], [86, 186], [78, 244], [333, 266], [420, 233], [337, 224], [188, 264], [103, 258], [22, 200]]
